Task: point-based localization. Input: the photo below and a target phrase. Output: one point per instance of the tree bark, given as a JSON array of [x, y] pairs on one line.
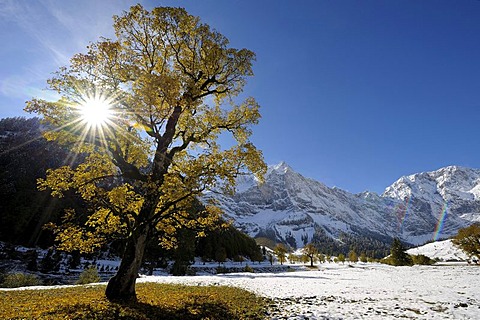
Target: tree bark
[[121, 287]]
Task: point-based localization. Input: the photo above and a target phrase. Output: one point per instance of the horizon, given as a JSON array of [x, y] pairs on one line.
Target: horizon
[[353, 94]]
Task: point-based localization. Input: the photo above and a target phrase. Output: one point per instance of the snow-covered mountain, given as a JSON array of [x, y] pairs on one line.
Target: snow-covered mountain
[[294, 209]]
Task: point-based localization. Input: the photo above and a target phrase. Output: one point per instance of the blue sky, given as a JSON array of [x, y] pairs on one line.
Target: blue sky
[[353, 93]]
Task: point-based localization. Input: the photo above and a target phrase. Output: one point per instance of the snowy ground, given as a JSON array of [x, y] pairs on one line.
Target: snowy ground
[[369, 291], [357, 291]]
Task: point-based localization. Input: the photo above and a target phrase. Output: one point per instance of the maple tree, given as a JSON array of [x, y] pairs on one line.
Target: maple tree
[[310, 251], [144, 112], [468, 239], [281, 252]]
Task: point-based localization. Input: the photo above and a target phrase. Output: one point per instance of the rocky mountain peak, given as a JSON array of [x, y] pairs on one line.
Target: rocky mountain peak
[[417, 208], [449, 182], [280, 168]]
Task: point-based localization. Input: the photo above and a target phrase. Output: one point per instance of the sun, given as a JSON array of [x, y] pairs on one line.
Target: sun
[[95, 111]]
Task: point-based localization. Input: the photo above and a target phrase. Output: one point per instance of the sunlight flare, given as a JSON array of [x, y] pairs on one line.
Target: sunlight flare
[[95, 111]]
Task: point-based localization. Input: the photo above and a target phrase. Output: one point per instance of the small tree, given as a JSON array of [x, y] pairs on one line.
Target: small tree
[[398, 256], [183, 254], [352, 256], [468, 239], [310, 251], [15, 280], [321, 258], [281, 252], [363, 257], [341, 258], [422, 259], [304, 258], [89, 275], [292, 258]]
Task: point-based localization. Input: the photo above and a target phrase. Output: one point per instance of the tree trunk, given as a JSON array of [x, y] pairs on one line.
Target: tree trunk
[[121, 287]]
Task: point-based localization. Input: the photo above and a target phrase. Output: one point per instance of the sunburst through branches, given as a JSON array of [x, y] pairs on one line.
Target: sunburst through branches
[[95, 111], [95, 117]]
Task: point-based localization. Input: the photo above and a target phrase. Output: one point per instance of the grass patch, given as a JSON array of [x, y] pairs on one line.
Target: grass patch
[[15, 280], [155, 301]]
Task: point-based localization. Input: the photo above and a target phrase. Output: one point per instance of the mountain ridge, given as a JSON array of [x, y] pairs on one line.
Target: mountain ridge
[[293, 209]]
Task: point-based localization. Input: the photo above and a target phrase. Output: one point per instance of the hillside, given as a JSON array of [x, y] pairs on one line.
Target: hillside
[[441, 250]]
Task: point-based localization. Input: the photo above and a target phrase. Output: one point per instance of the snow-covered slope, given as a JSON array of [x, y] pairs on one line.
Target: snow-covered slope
[[295, 209], [443, 250]]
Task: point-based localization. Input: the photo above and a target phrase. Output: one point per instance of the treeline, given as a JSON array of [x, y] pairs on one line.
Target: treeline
[[371, 245], [218, 245], [25, 156], [228, 243]]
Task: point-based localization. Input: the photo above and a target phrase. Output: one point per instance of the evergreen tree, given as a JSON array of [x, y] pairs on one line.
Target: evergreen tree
[[48, 262], [398, 256], [74, 260], [239, 258], [235, 242], [422, 259], [220, 255], [184, 252], [32, 264], [257, 255]]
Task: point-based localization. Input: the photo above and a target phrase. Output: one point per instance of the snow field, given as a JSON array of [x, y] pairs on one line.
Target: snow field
[[359, 291]]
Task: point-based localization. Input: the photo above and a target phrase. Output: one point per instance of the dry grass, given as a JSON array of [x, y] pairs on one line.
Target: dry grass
[[155, 301]]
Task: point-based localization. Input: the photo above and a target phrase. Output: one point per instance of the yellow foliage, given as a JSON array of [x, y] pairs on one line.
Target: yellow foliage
[[171, 82], [156, 301], [126, 198], [72, 237], [468, 239]]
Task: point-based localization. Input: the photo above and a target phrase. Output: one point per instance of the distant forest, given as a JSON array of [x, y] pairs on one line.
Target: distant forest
[[25, 156]]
